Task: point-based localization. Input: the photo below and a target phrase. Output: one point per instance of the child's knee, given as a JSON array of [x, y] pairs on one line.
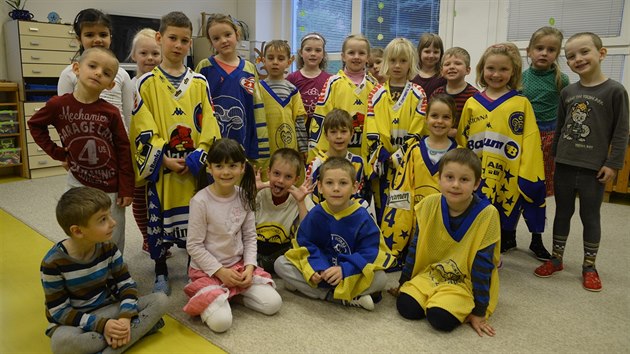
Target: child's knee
[[441, 319], [264, 299], [218, 316]]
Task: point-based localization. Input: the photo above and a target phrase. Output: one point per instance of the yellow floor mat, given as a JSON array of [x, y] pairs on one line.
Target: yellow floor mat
[[22, 318]]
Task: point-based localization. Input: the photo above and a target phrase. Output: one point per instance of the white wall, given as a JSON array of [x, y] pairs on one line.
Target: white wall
[[471, 24], [67, 10]]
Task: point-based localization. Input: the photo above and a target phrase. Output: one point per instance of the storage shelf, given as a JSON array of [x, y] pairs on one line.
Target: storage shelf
[[8, 104], [11, 165], [9, 135]]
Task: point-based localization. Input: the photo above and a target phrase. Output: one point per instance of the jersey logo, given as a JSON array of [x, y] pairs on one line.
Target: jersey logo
[[284, 135], [178, 112], [447, 272], [248, 84], [358, 102], [517, 122], [181, 142], [198, 117], [340, 246], [230, 115]]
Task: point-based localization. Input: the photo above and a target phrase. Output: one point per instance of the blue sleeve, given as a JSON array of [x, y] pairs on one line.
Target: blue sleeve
[[366, 248], [410, 260], [481, 273]]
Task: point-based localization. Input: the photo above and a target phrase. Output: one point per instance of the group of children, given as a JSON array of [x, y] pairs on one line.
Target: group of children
[[408, 167]]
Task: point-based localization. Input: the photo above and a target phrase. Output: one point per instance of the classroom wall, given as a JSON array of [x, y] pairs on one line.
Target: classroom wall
[[67, 10], [474, 25]]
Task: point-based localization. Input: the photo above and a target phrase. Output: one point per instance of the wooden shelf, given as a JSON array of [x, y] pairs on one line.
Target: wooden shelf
[[9, 97], [11, 165]]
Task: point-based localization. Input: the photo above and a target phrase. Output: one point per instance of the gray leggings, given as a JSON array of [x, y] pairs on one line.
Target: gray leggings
[[69, 339], [570, 181], [290, 274]]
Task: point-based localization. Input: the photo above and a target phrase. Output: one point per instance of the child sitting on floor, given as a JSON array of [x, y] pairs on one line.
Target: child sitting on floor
[[339, 253]]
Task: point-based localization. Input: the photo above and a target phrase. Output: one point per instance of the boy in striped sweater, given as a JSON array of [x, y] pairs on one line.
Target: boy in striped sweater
[[92, 303]]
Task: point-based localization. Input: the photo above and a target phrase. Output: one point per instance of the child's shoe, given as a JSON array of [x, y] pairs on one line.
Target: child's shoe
[[591, 281], [548, 268], [539, 250], [162, 285], [508, 241], [364, 301]]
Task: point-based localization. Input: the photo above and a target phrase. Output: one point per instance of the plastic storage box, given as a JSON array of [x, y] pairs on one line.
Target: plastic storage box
[[8, 122], [10, 156]]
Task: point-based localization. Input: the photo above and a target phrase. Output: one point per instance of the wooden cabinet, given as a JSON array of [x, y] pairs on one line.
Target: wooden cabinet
[[12, 147], [37, 52], [621, 183]]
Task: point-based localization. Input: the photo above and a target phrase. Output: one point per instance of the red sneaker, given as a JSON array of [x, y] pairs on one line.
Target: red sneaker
[[591, 281], [547, 269]]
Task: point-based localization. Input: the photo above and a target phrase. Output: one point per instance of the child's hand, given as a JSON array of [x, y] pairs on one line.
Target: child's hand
[[248, 276], [394, 291], [305, 189], [66, 164], [117, 332], [480, 325], [259, 183], [176, 165], [316, 278], [452, 132], [229, 277], [124, 201], [606, 174], [332, 275]]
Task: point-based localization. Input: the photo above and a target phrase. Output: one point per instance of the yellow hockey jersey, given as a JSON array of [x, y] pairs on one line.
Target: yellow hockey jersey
[[340, 92], [504, 134], [281, 117], [177, 122], [416, 178], [444, 258], [390, 123], [277, 223]]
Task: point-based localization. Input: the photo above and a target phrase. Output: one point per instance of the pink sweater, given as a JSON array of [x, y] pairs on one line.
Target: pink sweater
[[221, 232]]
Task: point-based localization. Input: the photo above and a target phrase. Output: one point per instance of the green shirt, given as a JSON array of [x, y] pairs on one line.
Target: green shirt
[[539, 86]]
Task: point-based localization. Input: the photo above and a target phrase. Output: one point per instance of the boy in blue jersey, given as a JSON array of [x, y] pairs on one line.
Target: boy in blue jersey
[[91, 302], [339, 253], [450, 275]]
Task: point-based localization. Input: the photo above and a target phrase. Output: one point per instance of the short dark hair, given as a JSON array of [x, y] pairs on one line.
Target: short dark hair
[[277, 44], [107, 51], [464, 157], [338, 118], [175, 19], [334, 163], [77, 205], [289, 155]]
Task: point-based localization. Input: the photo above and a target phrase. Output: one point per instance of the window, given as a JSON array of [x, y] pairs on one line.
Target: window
[[330, 18], [384, 20], [379, 20], [571, 16]]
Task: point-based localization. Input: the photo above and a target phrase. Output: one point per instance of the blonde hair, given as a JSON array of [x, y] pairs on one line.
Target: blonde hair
[[221, 18], [427, 40], [401, 48], [509, 50], [358, 37], [143, 33], [457, 52], [549, 31], [313, 35]]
